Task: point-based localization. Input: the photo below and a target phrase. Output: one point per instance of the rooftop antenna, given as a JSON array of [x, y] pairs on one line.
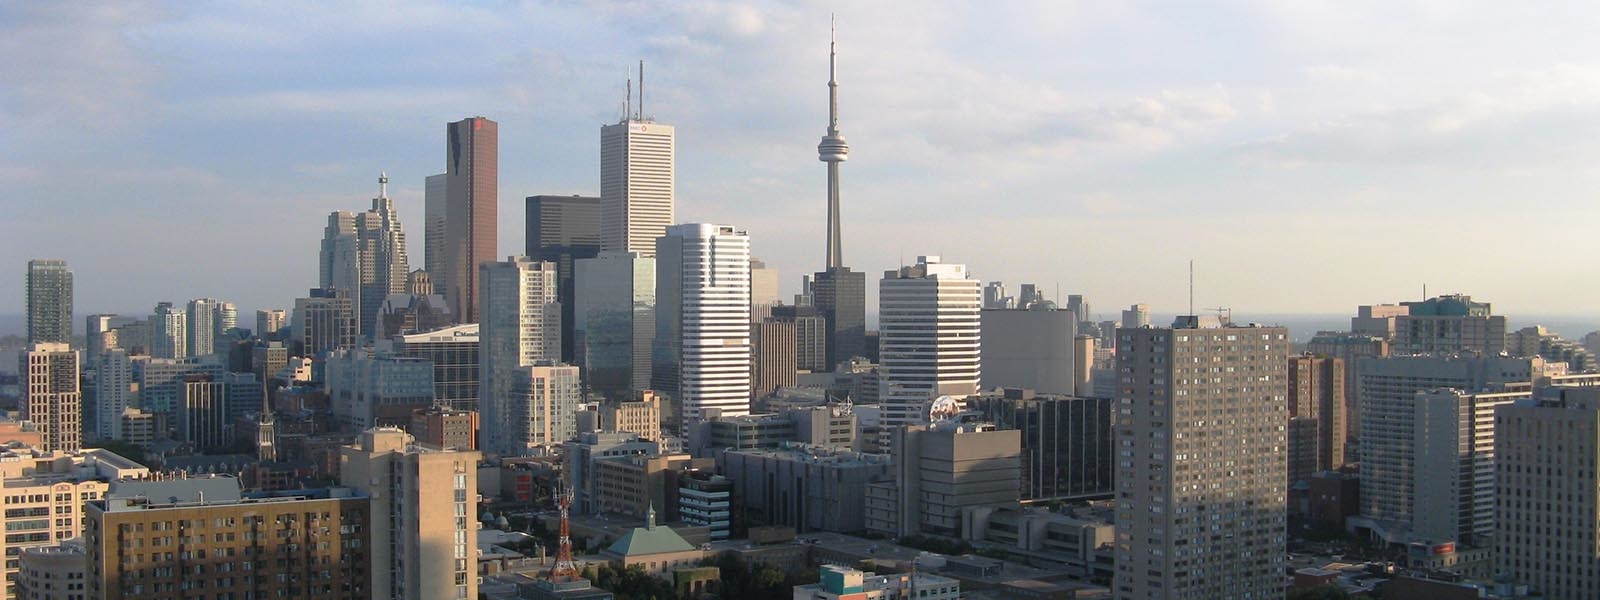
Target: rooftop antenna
[[627, 109], [1191, 286], [641, 90], [383, 184]]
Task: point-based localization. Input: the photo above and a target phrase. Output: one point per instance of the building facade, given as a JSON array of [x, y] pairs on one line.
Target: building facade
[[702, 347], [637, 185], [1317, 392], [563, 230], [471, 215], [1449, 324], [1202, 498], [1547, 454], [521, 326], [49, 289], [169, 332], [929, 342], [1031, 349], [454, 354], [51, 397], [1067, 442], [615, 313]]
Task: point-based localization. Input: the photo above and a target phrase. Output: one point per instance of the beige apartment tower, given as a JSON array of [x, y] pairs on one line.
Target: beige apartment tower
[[1316, 391], [50, 397], [424, 515], [1201, 506]]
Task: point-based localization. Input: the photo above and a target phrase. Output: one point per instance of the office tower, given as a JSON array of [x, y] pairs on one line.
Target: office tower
[[376, 391], [169, 332], [1075, 302], [1389, 392], [324, 321], [1454, 462], [291, 544], [637, 182], [98, 336], [50, 395], [1547, 454], [1349, 347], [562, 230], [267, 359], [1083, 365], [49, 286], [202, 419], [269, 322], [434, 199], [1067, 441], [939, 472], [538, 412], [840, 296], [113, 392], [472, 176], [202, 326], [702, 346], [1449, 324], [454, 354], [227, 319], [1316, 391], [994, 296], [422, 545], [161, 380], [338, 264], [1029, 349], [810, 336], [1136, 316], [929, 337], [1201, 506], [615, 321], [773, 350], [520, 326], [1378, 319], [364, 255], [763, 290]]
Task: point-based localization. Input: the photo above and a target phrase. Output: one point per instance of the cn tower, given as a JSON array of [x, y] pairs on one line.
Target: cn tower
[[833, 150]]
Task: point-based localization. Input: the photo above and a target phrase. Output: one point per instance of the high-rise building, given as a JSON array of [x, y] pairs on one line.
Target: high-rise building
[[202, 419], [1316, 391], [1136, 316], [169, 332], [1067, 442], [1389, 393], [773, 356], [324, 321], [810, 336], [446, 428], [373, 391], [419, 283], [1378, 319], [1449, 324], [562, 230], [421, 542], [1454, 460], [615, 321], [763, 290], [840, 296], [113, 392], [939, 472], [50, 394], [320, 542], [702, 346], [637, 183], [202, 326], [364, 255], [994, 296], [227, 319], [1030, 349], [1547, 456], [270, 321], [1349, 347], [520, 326], [472, 180], [49, 301], [99, 335], [45, 493], [1201, 493], [929, 343], [435, 194], [539, 411], [454, 354]]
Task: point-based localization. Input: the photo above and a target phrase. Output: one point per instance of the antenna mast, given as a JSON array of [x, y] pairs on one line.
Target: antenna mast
[[627, 107], [565, 569], [641, 90], [1191, 286]]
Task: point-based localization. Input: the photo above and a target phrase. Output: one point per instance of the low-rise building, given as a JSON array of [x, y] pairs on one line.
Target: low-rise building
[[810, 489], [54, 572], [656, 549]]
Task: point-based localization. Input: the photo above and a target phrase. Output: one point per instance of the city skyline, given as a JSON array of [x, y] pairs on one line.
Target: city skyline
[[1295, 134]]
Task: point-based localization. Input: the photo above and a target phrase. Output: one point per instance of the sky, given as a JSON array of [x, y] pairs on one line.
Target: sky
[[1308, 157]]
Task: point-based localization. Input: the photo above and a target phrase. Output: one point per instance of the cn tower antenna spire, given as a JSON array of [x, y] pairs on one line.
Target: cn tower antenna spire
[[833, 150]]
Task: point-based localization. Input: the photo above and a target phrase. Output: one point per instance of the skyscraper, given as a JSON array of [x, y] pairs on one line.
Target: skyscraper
[[1547, 456], [202, 326], [1316, 391], [423, 515], [637, 182], [1449, 324], [49, 301], [227, 318], [113, 391], [50, 395], [702, 346], [169, 332], [521, 326], [929, 322], [324, 321], [98, 336], [541, 410], [616, 321], [435, 195], [364, 255], [269, 321], [1201, 502], [563, 230], [472, 176]]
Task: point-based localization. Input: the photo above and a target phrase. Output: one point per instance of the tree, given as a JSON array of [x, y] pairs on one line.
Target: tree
[[1321, 592]]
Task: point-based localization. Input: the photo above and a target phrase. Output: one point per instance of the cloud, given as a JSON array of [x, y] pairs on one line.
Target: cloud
[[71, 68]]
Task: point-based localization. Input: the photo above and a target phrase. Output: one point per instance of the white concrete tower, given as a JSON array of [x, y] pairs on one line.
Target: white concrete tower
[[637, 182], [702, 347], [929, 334], [833, 150]]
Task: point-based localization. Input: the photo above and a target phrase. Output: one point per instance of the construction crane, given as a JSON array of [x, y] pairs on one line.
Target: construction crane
[[1224, 314]]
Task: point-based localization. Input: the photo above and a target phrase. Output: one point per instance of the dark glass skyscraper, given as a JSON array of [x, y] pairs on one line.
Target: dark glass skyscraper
[[1067, 445], [472, 175], [840, 294], [563, 229], [49, 301]]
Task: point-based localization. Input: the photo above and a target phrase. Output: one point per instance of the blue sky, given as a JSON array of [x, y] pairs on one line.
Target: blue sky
[[1308, 156]]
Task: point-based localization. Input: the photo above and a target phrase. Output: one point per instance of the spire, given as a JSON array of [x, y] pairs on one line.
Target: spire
[[383, 184], [833, 76], [650, 517]]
